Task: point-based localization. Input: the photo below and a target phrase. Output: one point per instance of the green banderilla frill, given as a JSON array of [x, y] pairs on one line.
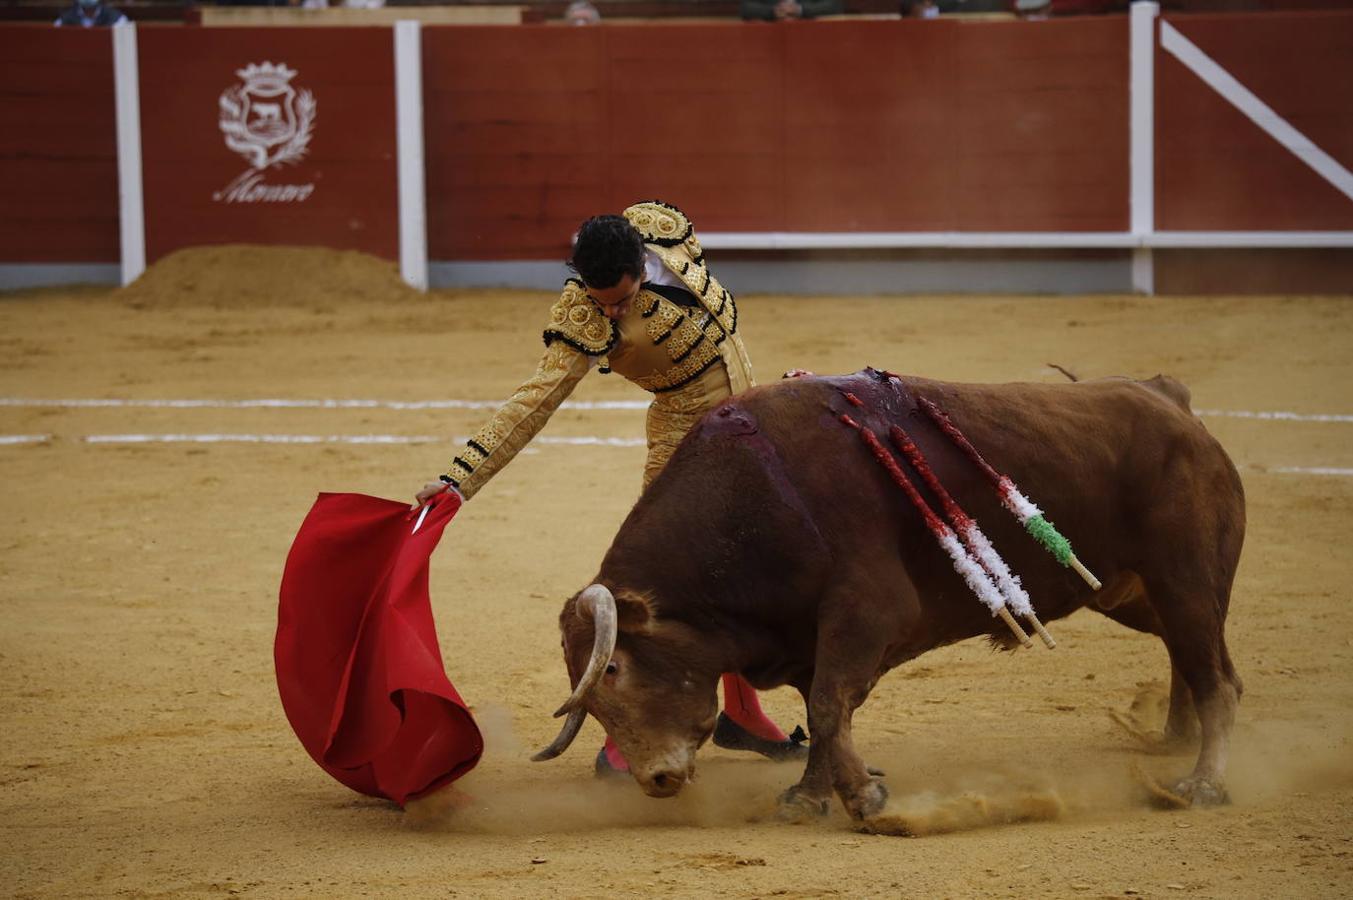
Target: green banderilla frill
[[1051, 539]]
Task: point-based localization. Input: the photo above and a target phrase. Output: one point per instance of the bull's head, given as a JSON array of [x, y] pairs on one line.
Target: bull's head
[[649, 681]]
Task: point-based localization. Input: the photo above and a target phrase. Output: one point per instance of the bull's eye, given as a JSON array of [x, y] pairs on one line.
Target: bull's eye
[[612, 668]]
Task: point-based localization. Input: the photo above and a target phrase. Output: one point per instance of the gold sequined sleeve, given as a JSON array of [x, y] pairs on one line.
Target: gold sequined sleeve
[[520, 418]]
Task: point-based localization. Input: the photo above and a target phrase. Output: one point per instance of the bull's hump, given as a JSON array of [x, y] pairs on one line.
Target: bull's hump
[[870, 392], [861, 393]]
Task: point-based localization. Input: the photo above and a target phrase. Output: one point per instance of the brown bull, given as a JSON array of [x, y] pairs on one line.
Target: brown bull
[[774, 545]]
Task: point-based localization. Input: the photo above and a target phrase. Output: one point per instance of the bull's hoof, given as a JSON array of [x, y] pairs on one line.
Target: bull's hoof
[[868, 801], [797, 807], [1184, 793], [1200, 792]]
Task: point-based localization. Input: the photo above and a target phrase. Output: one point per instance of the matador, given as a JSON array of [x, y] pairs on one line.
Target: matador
[[646, 306]]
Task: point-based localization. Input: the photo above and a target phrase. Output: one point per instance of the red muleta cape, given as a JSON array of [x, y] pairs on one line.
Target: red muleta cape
[[358, 667]]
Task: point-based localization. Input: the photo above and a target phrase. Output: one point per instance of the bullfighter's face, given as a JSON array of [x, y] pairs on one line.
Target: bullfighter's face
[[616, 300], [657, 698]]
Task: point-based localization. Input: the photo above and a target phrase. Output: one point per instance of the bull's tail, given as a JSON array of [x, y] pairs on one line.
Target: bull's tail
[[1070, 376]]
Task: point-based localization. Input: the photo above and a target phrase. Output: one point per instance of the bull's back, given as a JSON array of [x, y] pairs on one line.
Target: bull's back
[[778, 494], [1088, 429], [1100, 458]]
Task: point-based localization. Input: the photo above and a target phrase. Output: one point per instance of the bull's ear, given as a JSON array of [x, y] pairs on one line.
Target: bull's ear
[[634, 611]]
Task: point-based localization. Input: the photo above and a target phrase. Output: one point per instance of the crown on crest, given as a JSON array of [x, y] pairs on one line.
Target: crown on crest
[[265, 76]]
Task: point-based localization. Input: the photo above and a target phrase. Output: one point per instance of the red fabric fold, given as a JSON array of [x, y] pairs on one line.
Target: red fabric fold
[[358, 667]]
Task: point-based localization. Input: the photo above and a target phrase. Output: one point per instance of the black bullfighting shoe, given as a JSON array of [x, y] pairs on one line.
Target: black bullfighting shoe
[[732, 736]]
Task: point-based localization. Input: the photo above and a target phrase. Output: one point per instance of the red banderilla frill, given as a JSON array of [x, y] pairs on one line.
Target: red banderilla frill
[[977, 543], [972, 572]]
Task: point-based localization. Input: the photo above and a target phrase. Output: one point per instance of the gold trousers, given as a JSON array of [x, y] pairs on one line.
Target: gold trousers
[[672, 414]]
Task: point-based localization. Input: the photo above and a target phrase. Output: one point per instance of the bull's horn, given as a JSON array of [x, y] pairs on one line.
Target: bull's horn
[[597, 603], [566, 736]]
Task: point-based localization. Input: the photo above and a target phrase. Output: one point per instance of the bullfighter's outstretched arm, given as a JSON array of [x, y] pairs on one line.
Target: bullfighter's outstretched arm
[[518, 420], [577, 331]]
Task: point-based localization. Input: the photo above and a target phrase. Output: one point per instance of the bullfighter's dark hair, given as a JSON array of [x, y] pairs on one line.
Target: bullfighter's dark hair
[[607, 249]]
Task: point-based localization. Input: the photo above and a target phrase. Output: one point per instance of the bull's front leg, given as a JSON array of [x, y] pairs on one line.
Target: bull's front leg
[[811, 797], [842, 680]]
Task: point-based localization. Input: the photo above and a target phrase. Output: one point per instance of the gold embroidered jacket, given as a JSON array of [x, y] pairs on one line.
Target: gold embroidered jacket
[[663, 344]]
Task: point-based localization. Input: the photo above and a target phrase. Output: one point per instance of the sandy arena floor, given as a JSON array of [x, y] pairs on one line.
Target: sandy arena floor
[[144, 752]]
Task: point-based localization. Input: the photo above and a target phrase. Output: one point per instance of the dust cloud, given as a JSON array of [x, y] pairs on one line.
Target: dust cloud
[[723, 794], [932, 795]]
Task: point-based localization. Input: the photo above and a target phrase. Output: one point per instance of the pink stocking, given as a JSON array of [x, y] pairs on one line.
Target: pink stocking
[[614, 756], [742, 706]]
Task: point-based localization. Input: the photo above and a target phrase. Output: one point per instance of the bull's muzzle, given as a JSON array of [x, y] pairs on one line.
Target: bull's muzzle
[[666, 782]]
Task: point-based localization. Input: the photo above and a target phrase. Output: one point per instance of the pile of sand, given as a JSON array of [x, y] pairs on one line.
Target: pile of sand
[[250, 276]]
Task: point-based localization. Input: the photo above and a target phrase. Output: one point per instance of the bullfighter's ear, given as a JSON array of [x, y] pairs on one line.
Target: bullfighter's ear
[[634, 611]]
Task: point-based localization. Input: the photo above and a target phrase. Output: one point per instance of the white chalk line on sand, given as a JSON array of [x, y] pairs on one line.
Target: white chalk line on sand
[[1275, 415], [396, 439], [357, 403], [280, 403], [579, 441]]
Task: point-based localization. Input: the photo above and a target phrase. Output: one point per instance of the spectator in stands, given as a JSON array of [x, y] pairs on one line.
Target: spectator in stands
[[1032, 10], [322, 4], [780, 10], [88, 14], [919, 9], [582, 12]]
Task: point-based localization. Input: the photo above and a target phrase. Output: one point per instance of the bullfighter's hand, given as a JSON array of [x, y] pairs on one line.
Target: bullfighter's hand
[[432, 489]]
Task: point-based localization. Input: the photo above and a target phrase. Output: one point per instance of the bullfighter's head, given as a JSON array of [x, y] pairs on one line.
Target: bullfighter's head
[[649, 680]]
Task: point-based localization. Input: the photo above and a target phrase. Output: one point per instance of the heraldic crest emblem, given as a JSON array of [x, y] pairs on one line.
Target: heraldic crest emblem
[[265, 119]]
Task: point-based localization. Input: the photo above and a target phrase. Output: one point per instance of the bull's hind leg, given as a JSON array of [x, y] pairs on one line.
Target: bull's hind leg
[[1123, 599], [1193, 616], [1193, 541], [1181, 725]]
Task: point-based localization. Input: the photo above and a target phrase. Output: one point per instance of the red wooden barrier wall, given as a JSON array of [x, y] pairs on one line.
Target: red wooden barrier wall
[[348, 163], [58, 146], [1215, 169], [991, 126], [816, 126]]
